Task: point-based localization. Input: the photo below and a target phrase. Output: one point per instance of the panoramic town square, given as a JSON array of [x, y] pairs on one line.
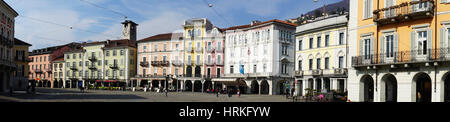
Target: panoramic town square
[[75, 95]]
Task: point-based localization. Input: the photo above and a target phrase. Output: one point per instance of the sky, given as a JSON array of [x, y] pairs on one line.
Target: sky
[[91, 23]]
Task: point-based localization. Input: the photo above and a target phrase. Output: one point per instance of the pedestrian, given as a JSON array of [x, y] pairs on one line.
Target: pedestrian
[[419, 96], [217, 93], [229, 93], [166, 91], [239, 93], [33, 87], [292, 92], [28, 87], [287, 93]]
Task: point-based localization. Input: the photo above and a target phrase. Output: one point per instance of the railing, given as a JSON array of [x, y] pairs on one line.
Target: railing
[[299, 73], [92, 58], [189, 63], [210, 63], [219, 50], [405, 11], [342, 71], [219, 62], [92, 67], [402, 57], [317, 72], [49, 70], [160, 63], [113, 66], [6, 62], [210, 49], [144, 63], [198, 49], [29, 59], [177, 62], [190, 49], [38, 71], [73, 68]]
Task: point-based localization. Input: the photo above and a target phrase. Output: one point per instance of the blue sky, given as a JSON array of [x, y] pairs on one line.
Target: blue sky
[[153, 16]]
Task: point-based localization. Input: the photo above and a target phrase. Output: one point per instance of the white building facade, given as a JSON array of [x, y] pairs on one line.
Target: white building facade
[[259, 57]]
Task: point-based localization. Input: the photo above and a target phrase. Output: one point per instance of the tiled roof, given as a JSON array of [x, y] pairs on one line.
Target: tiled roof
[[166, 36], [119, 43], [20, 42], [59, 59]]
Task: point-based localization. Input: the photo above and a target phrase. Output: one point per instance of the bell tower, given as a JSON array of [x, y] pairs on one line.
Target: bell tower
[[129, 30]]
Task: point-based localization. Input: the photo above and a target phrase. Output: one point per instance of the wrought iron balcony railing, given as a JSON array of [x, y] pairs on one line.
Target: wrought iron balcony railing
[[299, 73], [144, 63], [73, 68], [402, 57], [210, 49], [114, 66], [92, 59], [177, 62], [198, 49], [405, 11]]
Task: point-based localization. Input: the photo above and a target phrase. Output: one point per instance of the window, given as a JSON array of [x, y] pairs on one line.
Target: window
[[74, 56], [311, 42], [327, 40], [300, 45], [79, 55], [145, 48], [122, 52], [198, 59], [165, 47], [68, 56], [341, 62], [231, 69], [114, 52], [107, 53], [254, 68], [341, 38], [367, 49], [80, 64], [327, 61], [318, 63], [219, 45], [367, 13], [106, 62], [300, 68], [319, 40], [311, 64], [389, 46], [422, 42], [265, 68]]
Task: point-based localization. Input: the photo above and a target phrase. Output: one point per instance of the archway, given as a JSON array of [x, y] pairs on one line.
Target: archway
[[207, 85], [310, 83], [265, 87], [55, 84], [2, 81], [318, 85], [367, 88], [299, 87], [189, 71], [422, 87], [327, 84], [144, 83], [198, 71], [446, 83], [255, 87], [188, 86], [155, 84], [388, 88], [198, 86]]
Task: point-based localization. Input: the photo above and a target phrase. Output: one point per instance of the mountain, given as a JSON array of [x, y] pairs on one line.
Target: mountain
[[332, 7]]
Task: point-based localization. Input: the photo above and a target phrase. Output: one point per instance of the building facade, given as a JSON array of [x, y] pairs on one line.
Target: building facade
[[58, 69], [214, 57], [7, 24], [111, 62], [399, 51], [259, 57], [321, 52], [160, 61], [194, 41], [21, 60]]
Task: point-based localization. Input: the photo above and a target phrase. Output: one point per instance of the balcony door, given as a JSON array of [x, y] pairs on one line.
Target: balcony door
[[422, 44], [390, 12]]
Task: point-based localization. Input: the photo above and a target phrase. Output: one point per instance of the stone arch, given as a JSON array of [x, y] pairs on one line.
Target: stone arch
[[367, 88], [422, 85], [255, 87], [265, 87], [188, 85], [445, 87], [388, 88]]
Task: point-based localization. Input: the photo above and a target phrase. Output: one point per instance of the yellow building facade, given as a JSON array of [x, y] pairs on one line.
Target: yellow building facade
[[400, 50]]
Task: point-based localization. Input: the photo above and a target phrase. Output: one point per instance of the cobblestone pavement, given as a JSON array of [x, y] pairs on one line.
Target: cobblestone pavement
[[74, 95]]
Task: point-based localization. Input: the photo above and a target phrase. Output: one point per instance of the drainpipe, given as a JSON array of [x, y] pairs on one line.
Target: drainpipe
[[376, 35]]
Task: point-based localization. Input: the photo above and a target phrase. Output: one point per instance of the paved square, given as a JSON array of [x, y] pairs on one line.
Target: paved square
[[74, 95]]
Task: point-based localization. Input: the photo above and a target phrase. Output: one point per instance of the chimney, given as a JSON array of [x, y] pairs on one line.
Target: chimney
[[254, 22]]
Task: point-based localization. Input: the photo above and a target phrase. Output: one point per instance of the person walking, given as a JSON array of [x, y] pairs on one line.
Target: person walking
[[166, 91], [217, 93], [287, 93], [292, 92], [239, 93]]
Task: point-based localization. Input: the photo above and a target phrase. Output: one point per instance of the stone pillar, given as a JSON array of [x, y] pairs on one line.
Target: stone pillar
[[159, 85], [84, 82], [271, 88], [182, 85], [323, 84], [213, 86], [203, 86], [314, 83], [64, 84], [193, 84]]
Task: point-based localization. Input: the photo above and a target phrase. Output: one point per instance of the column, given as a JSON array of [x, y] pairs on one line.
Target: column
[[323, 84], [193, 84], [213, 86], [159, 85], [203, 86], [84, 82], [259, 91], [64, 84], [314, 83]]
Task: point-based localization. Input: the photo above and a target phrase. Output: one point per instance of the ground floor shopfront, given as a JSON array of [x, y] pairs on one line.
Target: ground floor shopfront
[[319, 84], [257, 85], [409, 83]]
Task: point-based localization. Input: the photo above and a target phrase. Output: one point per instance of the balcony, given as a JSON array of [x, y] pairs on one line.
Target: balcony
[[92, 67], [402, 57], [160, 63], [73, 68], [177, 63], [342, 71], [198, 49], [29, 59], [210, 50], [38, 71], [219, 62], [219, 50], [48, 70], [317, 72], [144, 63], [114, 66], [190, 49], [7, 63], [405, 12], [189, 63], [92, 59], [298, 73]]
